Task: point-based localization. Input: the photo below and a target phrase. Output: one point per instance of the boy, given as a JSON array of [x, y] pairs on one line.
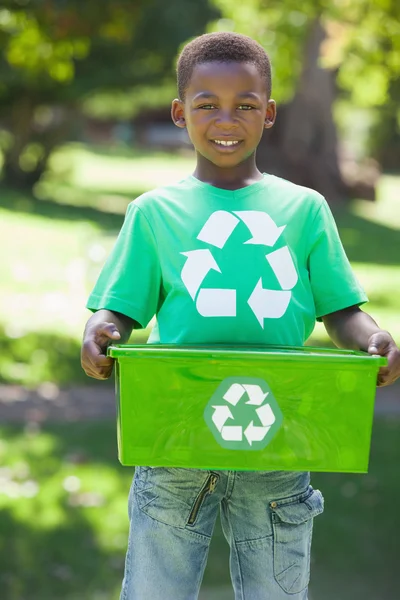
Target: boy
[[224, 83]]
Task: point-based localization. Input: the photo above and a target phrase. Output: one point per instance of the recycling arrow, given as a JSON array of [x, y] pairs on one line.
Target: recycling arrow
[[283, 267], [218, 228], [261, 226], [232, 433], [255, 434], [221, 415], [271, 304], [266, 415], [195, 269], [234, 393], [216, 302], [229, 432], [255, 394]]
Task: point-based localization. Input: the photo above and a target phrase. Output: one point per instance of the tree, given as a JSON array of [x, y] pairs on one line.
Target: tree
[[55, 53], [316, 49]]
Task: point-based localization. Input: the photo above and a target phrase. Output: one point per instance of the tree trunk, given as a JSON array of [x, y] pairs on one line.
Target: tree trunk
[[21, 127], [23, 131], [303, 145]]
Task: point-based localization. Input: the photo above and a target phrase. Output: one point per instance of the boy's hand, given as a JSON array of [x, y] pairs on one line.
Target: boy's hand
[[383, 344], [94, 359]]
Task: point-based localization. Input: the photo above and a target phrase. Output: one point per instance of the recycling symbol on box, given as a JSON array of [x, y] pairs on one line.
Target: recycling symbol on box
[[221, 302], [243, 414]]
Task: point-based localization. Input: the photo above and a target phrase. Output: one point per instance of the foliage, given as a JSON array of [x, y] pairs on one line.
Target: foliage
[[37, 357], [57, 53], [362, 41], [361, 49], [60, 51]]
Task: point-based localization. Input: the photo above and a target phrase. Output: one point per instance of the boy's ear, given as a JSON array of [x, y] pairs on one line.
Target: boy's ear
[[270, 115], [178, 113]]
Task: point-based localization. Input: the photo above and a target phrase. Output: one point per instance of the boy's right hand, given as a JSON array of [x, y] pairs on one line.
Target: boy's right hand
[[94, 359]]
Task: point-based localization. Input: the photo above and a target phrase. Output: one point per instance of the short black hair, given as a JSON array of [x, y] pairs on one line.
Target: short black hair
[[221, 47]]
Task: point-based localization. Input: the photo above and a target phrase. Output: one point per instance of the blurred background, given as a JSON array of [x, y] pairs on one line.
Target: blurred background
[[85, 92]]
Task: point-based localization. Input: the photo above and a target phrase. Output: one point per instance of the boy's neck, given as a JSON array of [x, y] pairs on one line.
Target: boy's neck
[[232, 178]]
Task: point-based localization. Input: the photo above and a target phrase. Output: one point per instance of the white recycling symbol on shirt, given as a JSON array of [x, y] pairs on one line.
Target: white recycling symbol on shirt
[[221, 302]]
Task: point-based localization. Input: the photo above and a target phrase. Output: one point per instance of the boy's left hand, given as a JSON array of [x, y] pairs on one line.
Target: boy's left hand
[[383, 344]]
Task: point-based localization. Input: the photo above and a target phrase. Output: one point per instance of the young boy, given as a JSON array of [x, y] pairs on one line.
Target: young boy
[[163, 264]]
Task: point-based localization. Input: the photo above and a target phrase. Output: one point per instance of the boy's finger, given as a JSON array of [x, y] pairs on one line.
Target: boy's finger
[[92, 350], [98, 366], [109, 330], [103, 361], [384, 380], [378, 343], [99, 373], [92, 353]]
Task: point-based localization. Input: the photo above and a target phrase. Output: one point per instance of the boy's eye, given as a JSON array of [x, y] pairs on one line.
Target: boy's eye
[[241, 106]]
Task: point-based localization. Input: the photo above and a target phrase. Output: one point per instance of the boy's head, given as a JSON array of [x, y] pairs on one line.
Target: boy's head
[[224, 85], [222, 47]]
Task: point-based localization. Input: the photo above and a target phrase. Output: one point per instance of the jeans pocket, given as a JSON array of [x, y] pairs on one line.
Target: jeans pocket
[[292, 523]]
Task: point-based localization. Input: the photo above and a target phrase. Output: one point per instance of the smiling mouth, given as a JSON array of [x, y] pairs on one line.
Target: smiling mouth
[[226, 144]]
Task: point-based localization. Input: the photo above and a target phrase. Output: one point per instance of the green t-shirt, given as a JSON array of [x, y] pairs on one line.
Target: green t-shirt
[[256, 265]]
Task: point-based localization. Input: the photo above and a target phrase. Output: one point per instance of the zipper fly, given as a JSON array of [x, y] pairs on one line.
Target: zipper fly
[[207, 489]]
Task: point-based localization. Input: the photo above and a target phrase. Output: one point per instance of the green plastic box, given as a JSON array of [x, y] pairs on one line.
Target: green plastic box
[[245, 408]]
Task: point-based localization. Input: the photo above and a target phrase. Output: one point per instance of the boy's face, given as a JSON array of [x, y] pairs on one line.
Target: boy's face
[[225, 102]]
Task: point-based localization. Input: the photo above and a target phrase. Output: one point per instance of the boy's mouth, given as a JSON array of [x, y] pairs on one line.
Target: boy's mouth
[[226, 145]]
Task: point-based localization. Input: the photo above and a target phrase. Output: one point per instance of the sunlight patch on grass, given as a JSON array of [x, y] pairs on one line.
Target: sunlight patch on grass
[[44, 481], [382, 286], [386, 209], [90, 170], [46, 279]]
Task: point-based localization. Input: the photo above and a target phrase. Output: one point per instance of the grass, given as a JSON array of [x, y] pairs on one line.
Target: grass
[[106, 179], [63, 526], [61, 492]]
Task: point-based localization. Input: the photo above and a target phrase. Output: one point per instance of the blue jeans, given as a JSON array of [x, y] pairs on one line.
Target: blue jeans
[[266, 517]]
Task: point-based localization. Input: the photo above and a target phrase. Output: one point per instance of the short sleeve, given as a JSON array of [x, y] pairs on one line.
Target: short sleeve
[[333, 282], [130, 280]]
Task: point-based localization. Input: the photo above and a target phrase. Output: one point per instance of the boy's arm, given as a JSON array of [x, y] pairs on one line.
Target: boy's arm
[[354, 329], [103, 327]]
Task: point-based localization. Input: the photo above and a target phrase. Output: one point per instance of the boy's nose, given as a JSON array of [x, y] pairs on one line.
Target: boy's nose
[[226, 120]]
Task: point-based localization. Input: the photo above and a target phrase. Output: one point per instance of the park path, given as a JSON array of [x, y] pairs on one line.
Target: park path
[[97, 401]]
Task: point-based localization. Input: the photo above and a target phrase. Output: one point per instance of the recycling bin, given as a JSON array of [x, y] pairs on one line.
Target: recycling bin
[[245, 408]]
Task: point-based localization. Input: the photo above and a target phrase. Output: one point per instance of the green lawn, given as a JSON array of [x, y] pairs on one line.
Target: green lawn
[[63, 525], [57, 242]]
